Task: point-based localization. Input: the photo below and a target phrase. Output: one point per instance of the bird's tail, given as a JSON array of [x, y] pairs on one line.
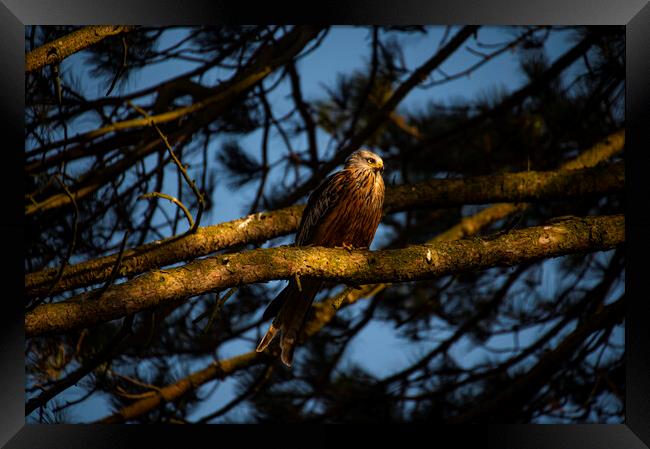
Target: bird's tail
[[290, 308]]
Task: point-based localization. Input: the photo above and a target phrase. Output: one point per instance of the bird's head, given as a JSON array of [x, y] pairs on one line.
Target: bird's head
[[365, 159]]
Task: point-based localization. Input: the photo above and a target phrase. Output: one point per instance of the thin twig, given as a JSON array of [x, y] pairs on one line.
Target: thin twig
[[182, 169], [173, 200], [484, 58], [114, 271], [122, 67], [217, 308]]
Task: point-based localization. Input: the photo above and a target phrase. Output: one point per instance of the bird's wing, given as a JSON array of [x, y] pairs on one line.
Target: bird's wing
[[322, 200]]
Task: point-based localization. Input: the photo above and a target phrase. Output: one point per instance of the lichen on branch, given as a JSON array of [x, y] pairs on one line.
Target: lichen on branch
[[418, 262]]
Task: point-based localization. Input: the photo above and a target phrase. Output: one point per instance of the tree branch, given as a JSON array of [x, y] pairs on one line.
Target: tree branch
[[255, 228], [512, 187], [87, 367], [602, 151], [357, 267], [216, 370], [515, 187], [59, 49]]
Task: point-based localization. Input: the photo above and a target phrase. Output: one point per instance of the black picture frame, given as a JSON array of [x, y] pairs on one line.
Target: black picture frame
[[634, 14]]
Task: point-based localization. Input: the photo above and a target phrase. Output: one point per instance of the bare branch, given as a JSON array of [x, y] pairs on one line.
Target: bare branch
[[172, 199], [520, 95], [199, 197], [59, 49], [102, 356]]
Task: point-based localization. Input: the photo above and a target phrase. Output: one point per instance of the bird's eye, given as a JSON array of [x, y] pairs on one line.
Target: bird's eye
[[370, 160]]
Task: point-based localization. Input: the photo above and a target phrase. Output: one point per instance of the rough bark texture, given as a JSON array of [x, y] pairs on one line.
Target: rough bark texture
[[252, 229], [600, 152], [516, 187], [513, 187], [358, 267], [59, 49]]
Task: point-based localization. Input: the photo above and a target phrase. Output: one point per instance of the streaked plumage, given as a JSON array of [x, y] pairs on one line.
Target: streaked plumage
[[343, 211]]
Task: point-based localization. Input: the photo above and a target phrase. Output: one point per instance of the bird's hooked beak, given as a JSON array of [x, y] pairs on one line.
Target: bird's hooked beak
[[379, 167]]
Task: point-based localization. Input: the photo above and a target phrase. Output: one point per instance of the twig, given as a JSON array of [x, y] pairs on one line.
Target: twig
[[121, 69], [114, 271], [265, 149], [303, 109], [296, 277], [484, 58], [182, 169], [154, 389], [57, 82], [173, 200], [217, 308]]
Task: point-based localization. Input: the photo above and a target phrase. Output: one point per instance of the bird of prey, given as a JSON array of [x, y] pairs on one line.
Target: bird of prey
[[343, 211]]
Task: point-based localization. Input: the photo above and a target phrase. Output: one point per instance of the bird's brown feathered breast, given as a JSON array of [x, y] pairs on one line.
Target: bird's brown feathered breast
[[345, 210]]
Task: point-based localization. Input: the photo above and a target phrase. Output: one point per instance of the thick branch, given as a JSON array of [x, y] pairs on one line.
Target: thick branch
[[357, 267], [512, 187], [602, 151], [59, 49], [515, 187], [217, 370], [255, 228], [323, 314]]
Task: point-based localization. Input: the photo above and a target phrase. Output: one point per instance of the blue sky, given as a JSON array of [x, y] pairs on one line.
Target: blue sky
[[344, 50]]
